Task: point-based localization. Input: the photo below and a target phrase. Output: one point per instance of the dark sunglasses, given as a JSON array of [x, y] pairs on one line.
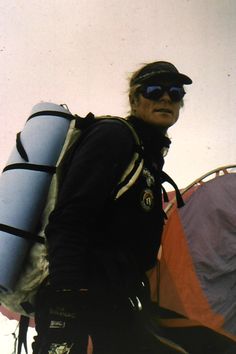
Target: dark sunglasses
[[155, 92]]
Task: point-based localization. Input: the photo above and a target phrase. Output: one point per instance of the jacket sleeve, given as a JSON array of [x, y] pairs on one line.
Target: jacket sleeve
[[96, 167]]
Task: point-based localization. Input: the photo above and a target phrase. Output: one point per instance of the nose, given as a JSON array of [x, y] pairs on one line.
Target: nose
[[165, 97]]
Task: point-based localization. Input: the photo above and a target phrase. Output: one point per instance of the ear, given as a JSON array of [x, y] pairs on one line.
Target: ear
[[133, 104], [133, 101]]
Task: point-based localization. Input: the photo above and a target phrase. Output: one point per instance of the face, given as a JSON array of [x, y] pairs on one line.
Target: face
[[162, 112]]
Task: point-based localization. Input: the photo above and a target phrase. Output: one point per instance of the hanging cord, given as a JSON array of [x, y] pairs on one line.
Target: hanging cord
[[15, 338]]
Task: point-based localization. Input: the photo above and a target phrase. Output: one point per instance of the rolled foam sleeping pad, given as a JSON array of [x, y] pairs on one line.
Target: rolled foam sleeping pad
[[24, 185]]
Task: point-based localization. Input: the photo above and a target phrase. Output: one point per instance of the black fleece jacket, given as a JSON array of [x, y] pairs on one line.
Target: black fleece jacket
[[89, 233]]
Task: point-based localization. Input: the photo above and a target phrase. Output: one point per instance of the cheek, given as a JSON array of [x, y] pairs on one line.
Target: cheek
[[143, 108], [177, 109], [177, 116], [148, 106]]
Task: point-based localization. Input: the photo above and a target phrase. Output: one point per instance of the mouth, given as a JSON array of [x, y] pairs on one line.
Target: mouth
[[164, 110]]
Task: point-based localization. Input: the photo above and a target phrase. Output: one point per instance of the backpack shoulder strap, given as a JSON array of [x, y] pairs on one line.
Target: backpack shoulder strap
[[135, 166]]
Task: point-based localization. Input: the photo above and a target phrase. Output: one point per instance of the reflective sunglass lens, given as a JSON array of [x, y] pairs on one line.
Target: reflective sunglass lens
[[176, 93], [153, 92], [153, 89], [156, 92]]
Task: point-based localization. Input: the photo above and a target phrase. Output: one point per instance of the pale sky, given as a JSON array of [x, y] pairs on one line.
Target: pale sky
[[81, 52]]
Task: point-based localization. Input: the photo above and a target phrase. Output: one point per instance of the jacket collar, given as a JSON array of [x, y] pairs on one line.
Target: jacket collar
[[153, 138]]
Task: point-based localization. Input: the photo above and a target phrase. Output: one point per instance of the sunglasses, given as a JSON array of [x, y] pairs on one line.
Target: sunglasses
[[155, 92]]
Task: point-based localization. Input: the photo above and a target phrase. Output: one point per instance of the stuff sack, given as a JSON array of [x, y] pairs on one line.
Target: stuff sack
[[24, 187]]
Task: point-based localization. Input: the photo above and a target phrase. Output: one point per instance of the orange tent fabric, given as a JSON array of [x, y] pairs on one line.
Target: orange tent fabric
[[198, 261]]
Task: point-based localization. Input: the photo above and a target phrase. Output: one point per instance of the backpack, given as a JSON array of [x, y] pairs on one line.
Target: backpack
[[35, 268]]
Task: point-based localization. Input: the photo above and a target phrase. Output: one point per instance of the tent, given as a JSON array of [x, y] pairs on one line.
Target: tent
[[193, 287], [195, 282]]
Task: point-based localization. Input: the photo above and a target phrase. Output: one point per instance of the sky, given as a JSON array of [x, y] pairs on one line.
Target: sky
[[82, 52]]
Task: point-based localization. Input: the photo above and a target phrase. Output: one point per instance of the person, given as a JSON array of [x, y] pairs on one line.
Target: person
[[100, 247]]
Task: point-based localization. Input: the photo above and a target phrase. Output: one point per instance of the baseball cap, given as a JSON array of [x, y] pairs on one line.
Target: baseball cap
[[162, 69]]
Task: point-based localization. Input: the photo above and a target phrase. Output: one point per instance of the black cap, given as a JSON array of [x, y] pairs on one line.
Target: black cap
[[160, 69]]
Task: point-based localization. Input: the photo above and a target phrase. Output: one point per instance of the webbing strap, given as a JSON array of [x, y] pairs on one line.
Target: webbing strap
[[165, 195], [136, 165], [21, 233], [20, 147], [167, 178], [22, 336], [65, 115], [129, 178], [30, 166]]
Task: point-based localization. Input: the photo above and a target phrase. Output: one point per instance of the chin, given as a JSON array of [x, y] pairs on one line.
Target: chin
[[162, 123], [165, 122]]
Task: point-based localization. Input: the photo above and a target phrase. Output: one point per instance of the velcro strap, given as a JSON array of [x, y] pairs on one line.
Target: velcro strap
[[30, 166], [21, 233]]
